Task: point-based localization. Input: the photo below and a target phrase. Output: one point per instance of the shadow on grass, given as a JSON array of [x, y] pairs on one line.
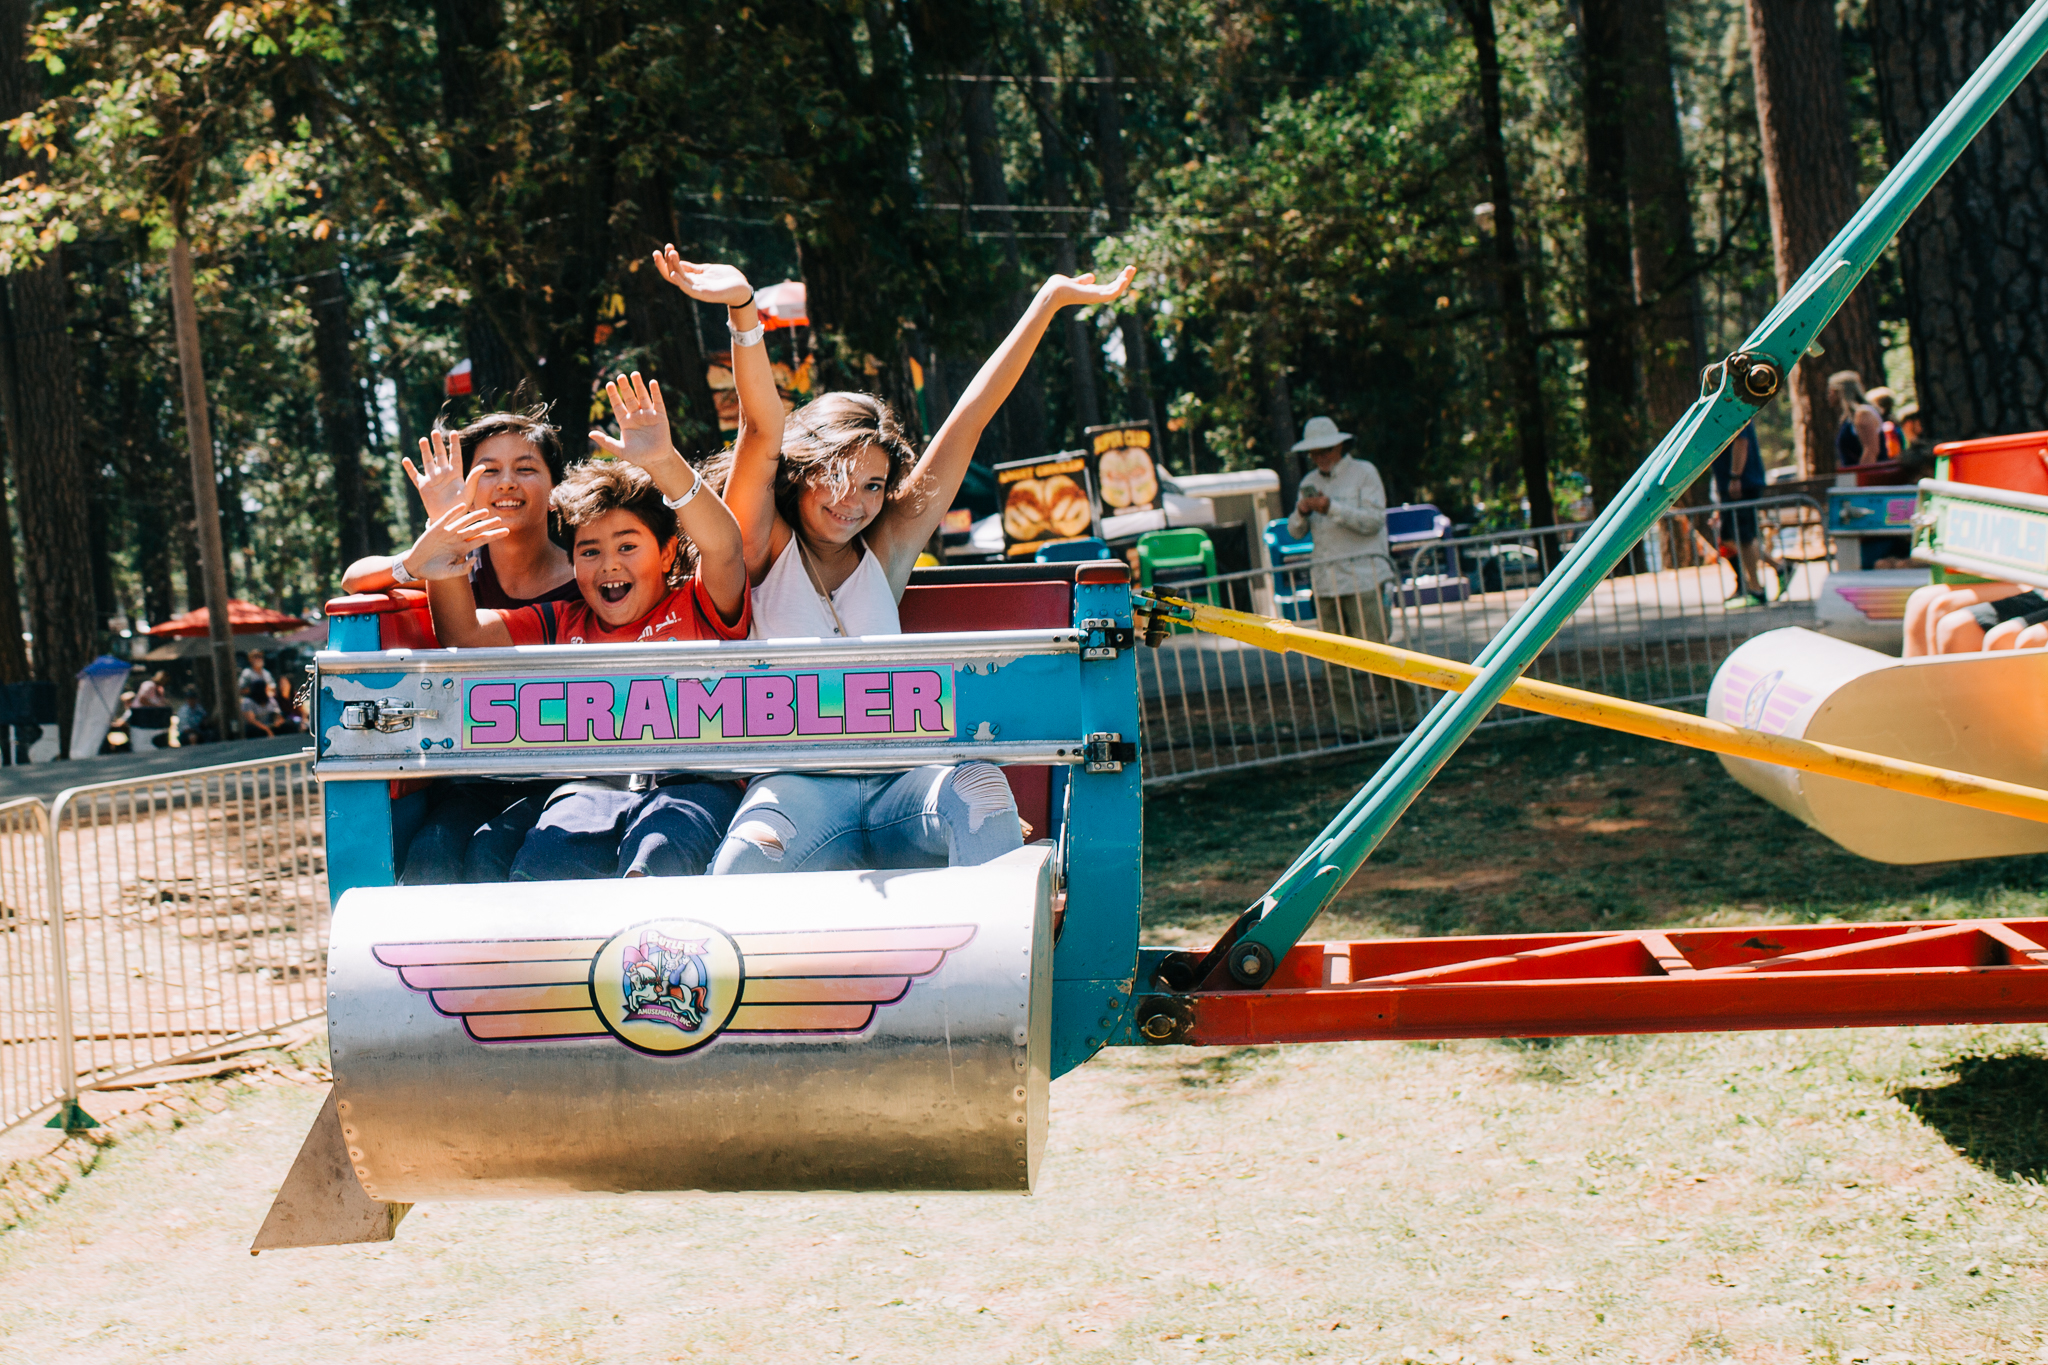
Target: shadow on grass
[[1994, 1113]]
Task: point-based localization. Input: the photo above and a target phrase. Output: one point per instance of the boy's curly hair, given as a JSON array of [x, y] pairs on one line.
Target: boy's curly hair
[[596, 487]]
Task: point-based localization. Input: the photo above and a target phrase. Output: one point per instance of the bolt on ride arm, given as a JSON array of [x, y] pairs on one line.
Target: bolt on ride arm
[[1731, 392]]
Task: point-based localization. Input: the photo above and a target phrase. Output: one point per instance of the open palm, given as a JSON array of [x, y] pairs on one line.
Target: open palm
[[712, 283], [1062, 290], [643, 437], [438, 477]]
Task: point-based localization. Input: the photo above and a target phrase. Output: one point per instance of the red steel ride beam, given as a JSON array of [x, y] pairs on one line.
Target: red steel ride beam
[[1675, 981]]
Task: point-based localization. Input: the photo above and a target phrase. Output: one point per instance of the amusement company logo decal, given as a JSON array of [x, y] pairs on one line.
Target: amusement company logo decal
[[878, 704], [667, 986]]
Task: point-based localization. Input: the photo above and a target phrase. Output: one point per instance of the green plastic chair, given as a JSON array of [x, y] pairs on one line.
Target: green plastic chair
[[1178, 556]]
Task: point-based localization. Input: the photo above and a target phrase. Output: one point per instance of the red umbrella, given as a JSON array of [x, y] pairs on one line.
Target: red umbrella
[[244, 618]]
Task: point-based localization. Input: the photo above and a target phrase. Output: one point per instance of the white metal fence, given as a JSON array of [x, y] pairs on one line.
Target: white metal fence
[[187, 910], [1654, 631]]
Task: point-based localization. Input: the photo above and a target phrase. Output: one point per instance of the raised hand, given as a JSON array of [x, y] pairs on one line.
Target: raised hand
[[446, 544], [1062, 290], [643, 422], [705, 283], [439, 474]]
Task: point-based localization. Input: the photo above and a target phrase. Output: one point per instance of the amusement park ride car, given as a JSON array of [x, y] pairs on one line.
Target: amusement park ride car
[[898, 1029]]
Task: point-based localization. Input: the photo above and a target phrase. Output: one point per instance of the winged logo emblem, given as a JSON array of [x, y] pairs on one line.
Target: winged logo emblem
[[668, 986]]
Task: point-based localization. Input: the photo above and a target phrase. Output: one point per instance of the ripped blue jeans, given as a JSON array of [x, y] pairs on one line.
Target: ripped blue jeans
[[936, 816]]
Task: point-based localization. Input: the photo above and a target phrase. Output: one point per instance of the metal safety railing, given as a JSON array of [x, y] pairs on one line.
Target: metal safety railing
[[32, 1057], [195, 907], [1654, 631], [149, 920]]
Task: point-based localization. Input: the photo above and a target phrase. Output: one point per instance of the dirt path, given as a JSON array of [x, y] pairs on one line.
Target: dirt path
[[1759, 1198]]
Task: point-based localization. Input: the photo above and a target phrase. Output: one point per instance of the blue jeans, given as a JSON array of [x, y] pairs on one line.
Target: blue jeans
[[584, 831], [935, 816]]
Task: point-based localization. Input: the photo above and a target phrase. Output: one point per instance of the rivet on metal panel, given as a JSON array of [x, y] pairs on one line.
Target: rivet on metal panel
[[1116, 1003], [1017, 1117], [362, 1172], [344, 1106], [426, 682], [1019, 1093], [1095, 1042], [1107, 1023], [1021, 1035], [356, 1153], [447, 682]]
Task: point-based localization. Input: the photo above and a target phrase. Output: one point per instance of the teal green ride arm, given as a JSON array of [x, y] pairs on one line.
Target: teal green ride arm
[[1732, 391]]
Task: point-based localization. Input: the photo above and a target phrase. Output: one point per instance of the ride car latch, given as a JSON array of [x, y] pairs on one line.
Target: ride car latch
[[1107, 752], [1105, 638], [388, 716]]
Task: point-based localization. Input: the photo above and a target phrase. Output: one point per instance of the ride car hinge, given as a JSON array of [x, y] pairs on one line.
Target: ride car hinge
[[388, 716], [1105, 751], [1105, 638]]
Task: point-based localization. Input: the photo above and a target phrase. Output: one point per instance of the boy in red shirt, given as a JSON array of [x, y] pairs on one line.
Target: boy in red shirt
[[657, 557], [631, 562]]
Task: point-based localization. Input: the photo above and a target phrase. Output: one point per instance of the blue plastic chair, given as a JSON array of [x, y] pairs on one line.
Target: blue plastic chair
[[1293, 599], [1068, 551]]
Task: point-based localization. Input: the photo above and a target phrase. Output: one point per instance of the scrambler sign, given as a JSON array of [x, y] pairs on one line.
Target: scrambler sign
[[616, 712]]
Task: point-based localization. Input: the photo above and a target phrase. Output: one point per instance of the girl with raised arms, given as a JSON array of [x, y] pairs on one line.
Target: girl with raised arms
[[833, 517]]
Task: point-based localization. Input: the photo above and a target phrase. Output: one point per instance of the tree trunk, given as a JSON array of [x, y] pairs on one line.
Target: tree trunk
[[13, 654], [224, 704], [1522, 360], [1057, 157], [358, 508], [1976, 296], [39, 404], [1613, 443], [1023, 415], [1671, 335], [1116, 188], [466, 33], [1660, 222], [1810, 174], [1281, 429], [658, 317]]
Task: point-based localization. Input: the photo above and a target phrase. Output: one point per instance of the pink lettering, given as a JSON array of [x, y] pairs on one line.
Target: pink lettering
[[768, 706], [808, 721], [864, 693], [647, 709], [493, 719], [917, 703], [589, 711], [695, 705], [531, 729]]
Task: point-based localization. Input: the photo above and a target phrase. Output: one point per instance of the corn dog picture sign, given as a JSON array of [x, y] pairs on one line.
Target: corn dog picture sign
[[1045, 501]]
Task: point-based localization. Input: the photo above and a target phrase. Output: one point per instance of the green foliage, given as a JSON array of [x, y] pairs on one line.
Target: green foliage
[[1296, 179]]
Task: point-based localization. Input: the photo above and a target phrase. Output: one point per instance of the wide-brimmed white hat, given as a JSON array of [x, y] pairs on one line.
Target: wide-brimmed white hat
[[1320, 434]]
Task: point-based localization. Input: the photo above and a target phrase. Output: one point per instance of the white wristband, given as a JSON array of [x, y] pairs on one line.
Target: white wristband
[[400, 575], [751, 337], [696, 487]]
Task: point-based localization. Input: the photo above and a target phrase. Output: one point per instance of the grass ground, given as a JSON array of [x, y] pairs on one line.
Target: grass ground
[[1829, 1197]]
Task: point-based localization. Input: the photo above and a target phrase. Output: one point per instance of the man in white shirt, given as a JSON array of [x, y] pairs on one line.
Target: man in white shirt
[[1342, 506]]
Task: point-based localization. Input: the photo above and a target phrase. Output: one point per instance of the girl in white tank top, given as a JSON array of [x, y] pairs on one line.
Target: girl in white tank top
[[832, 527], [789, 603]]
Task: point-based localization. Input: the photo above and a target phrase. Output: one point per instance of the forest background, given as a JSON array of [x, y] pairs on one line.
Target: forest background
[[1495, 238]]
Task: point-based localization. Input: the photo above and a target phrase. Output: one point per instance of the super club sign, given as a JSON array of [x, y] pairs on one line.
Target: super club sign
[[866, 705]]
